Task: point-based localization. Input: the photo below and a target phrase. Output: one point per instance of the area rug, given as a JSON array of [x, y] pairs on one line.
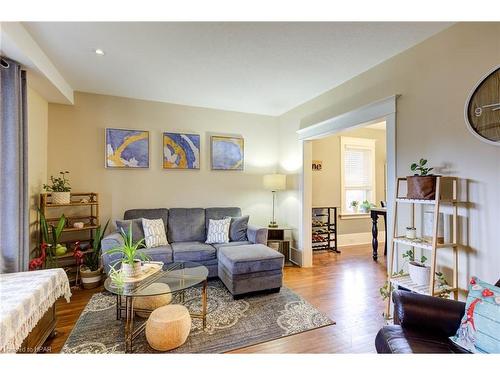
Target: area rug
[[231, 324]]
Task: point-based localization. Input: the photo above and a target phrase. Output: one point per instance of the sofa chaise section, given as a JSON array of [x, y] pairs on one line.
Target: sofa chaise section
[[250, 268]]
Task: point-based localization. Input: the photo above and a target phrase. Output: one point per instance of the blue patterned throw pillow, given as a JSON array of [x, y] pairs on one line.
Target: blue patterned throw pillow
[[479, 330]]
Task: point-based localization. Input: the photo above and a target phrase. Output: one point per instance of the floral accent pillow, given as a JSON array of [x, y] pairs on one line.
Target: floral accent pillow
[[479, 330]]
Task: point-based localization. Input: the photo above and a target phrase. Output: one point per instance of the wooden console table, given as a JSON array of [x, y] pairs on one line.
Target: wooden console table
[[374, 214]]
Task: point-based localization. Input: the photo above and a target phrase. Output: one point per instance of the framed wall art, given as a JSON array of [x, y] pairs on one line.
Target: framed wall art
[[127, 148], [227, 153], [181, 151]]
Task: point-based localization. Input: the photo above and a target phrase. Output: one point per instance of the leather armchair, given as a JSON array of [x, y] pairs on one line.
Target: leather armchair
[[422, 324]]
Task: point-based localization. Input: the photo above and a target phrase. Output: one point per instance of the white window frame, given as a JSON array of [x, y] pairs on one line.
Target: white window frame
[[363, 143]]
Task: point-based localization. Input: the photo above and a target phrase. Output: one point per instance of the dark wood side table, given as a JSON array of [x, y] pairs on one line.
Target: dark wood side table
[[279, 240], [374, 214]]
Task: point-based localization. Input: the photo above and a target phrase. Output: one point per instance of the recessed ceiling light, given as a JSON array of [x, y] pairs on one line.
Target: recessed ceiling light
[[99, 52]]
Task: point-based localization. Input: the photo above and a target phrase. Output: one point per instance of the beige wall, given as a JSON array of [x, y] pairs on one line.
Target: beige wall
[[37, 155], [76, 144], [327, 184], [433, 79]]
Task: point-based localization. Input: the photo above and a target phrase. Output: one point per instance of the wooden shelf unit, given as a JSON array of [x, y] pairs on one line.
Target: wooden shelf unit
[[70, 235], [404, 281], [324, 229]]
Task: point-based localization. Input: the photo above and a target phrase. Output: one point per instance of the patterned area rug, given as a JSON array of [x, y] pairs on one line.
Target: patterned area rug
[[231, 324]]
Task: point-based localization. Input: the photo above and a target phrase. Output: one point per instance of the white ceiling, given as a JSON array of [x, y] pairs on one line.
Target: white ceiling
[[266, 68]]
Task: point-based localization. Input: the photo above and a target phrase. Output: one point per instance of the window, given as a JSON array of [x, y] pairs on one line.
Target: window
[[358, 171]]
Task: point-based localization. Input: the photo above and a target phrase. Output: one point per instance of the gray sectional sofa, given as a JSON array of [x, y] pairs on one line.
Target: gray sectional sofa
[[243, 266]]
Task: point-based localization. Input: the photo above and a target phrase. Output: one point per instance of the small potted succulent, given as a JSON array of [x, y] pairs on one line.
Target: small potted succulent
[[59, 188], [421, 185], [91, 269], [366, 206], [132, 257], [354, 206]]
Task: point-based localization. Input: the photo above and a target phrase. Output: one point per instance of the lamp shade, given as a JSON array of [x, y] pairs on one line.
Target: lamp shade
[[275, 182]]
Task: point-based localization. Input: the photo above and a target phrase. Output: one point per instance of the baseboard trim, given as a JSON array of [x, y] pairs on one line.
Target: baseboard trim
[[349, 239], [363, 238]]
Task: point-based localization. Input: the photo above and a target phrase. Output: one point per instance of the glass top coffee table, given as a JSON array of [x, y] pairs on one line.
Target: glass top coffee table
[[176, 277]]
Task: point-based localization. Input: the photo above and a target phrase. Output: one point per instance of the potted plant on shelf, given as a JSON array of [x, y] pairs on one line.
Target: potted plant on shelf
[[421, 185], [420, 274], [354, 206], [59, 189], [366, 206], [91, 269], [132, 257]]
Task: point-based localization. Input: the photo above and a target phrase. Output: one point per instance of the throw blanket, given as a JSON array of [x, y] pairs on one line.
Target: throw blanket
[[25, 298]]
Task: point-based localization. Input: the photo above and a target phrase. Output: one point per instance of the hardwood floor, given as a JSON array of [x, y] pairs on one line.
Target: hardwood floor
[[343, 286]]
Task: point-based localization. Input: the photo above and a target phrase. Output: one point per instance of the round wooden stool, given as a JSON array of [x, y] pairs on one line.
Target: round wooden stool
[[153, 302], [168, 327]]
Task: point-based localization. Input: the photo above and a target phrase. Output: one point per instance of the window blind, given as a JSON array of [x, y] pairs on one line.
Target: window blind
[[357, 167]]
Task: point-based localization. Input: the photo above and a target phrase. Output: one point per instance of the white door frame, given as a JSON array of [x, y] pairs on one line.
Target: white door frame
[[381, 110]]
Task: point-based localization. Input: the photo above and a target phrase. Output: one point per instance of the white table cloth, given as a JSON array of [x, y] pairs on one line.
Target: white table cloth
[[24, 298]]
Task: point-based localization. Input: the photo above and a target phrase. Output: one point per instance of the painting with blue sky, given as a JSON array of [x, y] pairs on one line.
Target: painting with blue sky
[[127, 148], [227, 153], [181, 151]]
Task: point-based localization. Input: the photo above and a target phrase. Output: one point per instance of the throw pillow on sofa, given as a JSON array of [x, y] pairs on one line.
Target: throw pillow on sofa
[[238, 228], [479, 330], [137, 231], [154, 233], [218, 231]]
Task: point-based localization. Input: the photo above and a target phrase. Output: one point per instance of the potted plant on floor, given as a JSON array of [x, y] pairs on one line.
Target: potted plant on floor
[[59, 189], [91, 269], [422, 185], [132, 257]]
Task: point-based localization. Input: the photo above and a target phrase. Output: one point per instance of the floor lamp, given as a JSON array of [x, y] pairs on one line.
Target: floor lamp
[[274, 182]]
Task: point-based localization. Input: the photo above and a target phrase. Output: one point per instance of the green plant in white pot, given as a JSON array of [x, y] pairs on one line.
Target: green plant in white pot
[[91, 269], [366, 206], [354, 206], [59, 188], [420, 274], [132, 257]]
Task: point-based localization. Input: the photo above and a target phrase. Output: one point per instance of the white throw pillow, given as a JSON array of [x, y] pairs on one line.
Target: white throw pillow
[[218, 231], [154, 233]]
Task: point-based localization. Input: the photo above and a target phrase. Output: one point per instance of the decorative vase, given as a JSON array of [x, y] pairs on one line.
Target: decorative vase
[[61, 197], [131, 270], [61, 250], [421, 187], [90, 279], [420, 274]]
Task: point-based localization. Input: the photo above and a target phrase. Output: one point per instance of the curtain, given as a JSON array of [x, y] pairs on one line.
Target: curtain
[[14, 209]]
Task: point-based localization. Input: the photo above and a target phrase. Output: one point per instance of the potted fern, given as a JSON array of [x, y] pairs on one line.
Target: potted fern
[[91, 269], [132, 257], [59, 189], [421, 185]]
